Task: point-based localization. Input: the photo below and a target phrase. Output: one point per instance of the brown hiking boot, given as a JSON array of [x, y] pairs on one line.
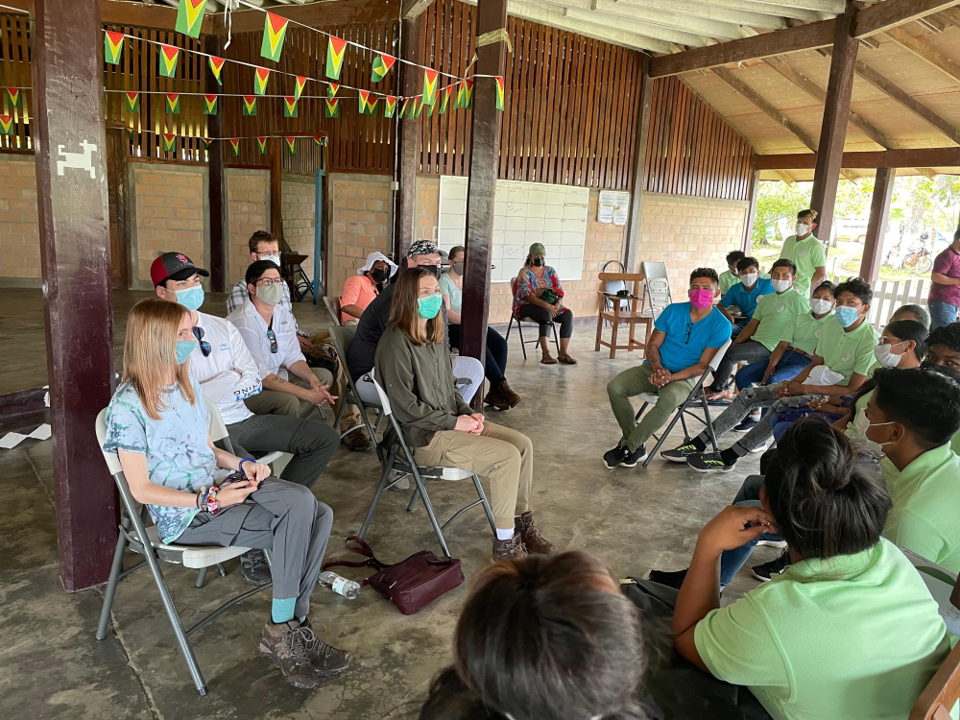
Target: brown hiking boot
[[512, 549], [285, 644], [357, 440], [531, 538], [502, 397], [326, 660]]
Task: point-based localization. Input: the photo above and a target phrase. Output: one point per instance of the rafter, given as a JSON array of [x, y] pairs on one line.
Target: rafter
[[777, 9], [925, 52], [908, 158], [833, 7], [656, 31], [786, 177], [701, 26], [700, 9], [893, 13]]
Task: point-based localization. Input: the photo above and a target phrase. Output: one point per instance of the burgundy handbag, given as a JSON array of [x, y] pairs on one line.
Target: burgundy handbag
[[411, 584]]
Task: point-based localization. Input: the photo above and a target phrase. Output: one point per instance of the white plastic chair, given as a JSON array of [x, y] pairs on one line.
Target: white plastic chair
[[656, 289], [695, 398]]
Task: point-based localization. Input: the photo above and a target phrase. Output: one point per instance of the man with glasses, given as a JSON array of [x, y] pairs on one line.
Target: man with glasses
[[229, 376], [685, 339]]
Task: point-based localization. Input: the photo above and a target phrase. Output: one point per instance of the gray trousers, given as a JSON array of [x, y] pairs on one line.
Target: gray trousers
[[284, 518], [749, 352], [311, 442], [748, 399]]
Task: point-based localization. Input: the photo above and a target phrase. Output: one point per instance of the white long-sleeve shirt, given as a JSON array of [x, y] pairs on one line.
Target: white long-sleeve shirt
[[253, 329], [229, 374]]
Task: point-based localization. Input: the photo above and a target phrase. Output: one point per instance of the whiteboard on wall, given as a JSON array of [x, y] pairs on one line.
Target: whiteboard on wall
[[524, 213]]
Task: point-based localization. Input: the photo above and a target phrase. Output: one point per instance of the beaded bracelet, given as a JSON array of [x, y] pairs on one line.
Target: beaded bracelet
[[240, 464]]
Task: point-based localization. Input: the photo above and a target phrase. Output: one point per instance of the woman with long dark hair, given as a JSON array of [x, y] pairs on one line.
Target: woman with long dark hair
[[539, 298]]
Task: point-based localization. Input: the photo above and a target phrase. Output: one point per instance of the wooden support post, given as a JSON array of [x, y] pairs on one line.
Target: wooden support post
[[836, 113], [751, 208], [631, 251], [276, 189], [482, 183], [216, 187], [411, 41], [877, 227], [74, 254]]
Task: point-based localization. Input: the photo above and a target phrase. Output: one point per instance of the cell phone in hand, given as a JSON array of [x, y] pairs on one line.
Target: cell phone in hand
[[233, 477], [302, 334]]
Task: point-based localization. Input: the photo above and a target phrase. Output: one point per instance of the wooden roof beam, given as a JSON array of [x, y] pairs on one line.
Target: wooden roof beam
[[648, 29], [925, 52], [700, 9], [890, 14], [702, 26], [159, 17], [315, 14], [786, 177], [832, 7], [906, 158], [411, 9], [777, 9]]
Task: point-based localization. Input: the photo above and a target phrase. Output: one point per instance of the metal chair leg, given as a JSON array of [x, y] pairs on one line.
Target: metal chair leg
[[663, 437], [523, 345], [222, 569], [413, 499], [200, 577], [430, 513], [556, 340], [111, 589], [486, 505], [387, 467], [709, 423]]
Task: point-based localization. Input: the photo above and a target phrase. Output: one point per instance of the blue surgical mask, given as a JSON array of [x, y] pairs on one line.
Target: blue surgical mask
[[184, 348], [191, 298], [428, 307], [846, 315]]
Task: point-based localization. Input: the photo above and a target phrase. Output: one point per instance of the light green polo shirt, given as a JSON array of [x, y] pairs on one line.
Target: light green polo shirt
[[856, 636], [727, 281], [776, 313], [807, 254], [847, 352], [926, 506], [803, 332]]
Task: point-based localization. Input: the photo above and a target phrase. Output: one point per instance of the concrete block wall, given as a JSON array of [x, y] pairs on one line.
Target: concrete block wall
[[248, 210], [19, 234], [298, 212], [359, 223]]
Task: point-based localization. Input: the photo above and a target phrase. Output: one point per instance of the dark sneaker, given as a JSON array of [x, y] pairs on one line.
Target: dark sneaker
[[325, 659], [765, 572], [630, 459], [746, 425], [708, 462], [356, 441], [672, 579], [512, 549], [285, 645], [255, 568], [612, 458], [681, 453], [530, 536]]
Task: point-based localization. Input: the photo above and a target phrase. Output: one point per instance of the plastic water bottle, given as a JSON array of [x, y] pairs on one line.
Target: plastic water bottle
[[340, 585]]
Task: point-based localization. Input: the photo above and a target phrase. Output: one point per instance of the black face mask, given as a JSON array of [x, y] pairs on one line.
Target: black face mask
[[378, 275], [538, 262], [945, 371]]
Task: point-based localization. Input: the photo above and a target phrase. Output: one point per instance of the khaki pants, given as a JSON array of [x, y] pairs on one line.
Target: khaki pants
[[633, 382], [339, 386], [502, 455], [273, 402]]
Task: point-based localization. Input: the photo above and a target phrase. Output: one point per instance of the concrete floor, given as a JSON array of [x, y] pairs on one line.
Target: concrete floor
[[52, 667]]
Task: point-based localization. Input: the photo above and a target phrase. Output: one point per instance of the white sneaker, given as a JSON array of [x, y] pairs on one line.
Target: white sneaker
[[778, 544], [763, 446]]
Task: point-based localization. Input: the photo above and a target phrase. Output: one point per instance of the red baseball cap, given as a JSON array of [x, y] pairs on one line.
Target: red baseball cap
[[173, 266]]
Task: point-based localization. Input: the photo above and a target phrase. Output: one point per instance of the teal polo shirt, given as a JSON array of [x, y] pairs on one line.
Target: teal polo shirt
[[745, 299]]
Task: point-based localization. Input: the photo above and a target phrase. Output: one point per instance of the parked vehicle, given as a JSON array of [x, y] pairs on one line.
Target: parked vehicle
[[912, 255]]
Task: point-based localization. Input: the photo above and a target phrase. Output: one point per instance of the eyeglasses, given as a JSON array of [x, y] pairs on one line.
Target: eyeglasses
[[204, 345], [686, 338], [273, 340], [270, 281]]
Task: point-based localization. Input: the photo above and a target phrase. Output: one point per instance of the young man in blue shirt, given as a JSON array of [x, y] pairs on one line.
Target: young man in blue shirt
[[745, 294], [685, 339]]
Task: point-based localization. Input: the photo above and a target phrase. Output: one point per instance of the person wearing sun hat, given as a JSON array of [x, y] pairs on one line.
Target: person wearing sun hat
[[539, 299], [362, 289]]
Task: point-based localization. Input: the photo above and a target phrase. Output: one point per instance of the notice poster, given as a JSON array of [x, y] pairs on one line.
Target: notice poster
[[613, 207]]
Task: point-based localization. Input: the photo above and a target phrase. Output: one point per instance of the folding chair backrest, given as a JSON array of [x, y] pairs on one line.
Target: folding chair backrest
[[342, 336], [218, 429], [715, 363], [333, 307], [384, 400], [654, 270], [657, 294], [113, 462]]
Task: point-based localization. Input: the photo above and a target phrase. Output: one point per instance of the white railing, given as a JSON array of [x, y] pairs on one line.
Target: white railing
[[888, 295]]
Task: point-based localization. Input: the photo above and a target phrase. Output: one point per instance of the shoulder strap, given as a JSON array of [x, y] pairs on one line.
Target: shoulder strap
[[361, 548]]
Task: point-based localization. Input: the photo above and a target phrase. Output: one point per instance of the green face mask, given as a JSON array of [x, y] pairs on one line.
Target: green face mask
[[270, 294], [428, 307]]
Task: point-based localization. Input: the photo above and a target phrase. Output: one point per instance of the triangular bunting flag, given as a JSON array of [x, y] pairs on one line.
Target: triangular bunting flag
[[445, 98], [169, 142], [331, 108], [262, 145], [112, 46], [132, 100], [364, 101], [6, 125], [372, 106], [169, 56], [499, 92], [390, 106], [207, 142], [431, 110], [381, 66], [292, 145], [301, 82], [15, 97], [332, 90], [209, 104], [318, 140], [403, 108], [465, 95], [235, 146], [335, 50], [260, 81], [289, 106], [429, 86], [249, 104], [216, 67], [131, 131], [172, 103], [417, 106], [274, 31], [190, 17]]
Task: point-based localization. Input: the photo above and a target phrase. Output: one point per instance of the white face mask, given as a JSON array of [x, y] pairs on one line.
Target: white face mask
[[821, 306], [802, 229], [885, 355], [275, 259], [749, 279], [862, 424], [782, 285]]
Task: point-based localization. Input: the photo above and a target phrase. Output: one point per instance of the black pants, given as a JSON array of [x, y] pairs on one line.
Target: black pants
[[542, 315], [495, 364]]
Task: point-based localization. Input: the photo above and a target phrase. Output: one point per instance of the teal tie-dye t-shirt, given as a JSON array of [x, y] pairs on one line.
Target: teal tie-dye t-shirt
[[178, 455]]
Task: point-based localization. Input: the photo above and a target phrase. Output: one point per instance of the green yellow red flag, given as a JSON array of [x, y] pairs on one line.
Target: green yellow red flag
[[190, 17], [209, 104], [131, 130], [169, 57], [6, 125], [274, 32], [216, 67], [15, 97], [132, 99], [331, 108], [390, 106], [499, 92], [172, 103], [260, 81], [289, 106], [292, 144], [249, 104], [169, 142], [445, 98], [262, 144], [403, 108], [464, 95], [336, 47], [332, 90], [207, 142], [235, 146], [429, 86], [112, 46], [301, 82], [381, 66]]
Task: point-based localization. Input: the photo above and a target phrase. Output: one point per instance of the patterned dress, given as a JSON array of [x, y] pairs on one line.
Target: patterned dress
[[528, 283]]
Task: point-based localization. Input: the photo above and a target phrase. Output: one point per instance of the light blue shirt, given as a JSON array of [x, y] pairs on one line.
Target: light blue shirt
[[747, 301], [686, 340], [448, 288]]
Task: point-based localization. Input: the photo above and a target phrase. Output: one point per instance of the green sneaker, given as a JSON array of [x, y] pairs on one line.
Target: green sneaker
[[708, 462], [680, 454]]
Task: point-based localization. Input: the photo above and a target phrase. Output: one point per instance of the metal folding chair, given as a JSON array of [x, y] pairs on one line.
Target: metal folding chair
[[516, 318], [399, 457], [697, 397], [147, 542], [342, 337], [333, 307]]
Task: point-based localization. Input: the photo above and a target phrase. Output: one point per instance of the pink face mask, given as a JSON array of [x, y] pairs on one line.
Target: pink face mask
[[701, 299]]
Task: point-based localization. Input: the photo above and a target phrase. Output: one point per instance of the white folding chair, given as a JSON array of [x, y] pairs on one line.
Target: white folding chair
[[399, 457], [342, 337], [696, 397], [146, 541], [333, 307], [219, 434]]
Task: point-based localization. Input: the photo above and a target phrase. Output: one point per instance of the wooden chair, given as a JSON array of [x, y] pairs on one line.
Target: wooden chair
[[612, 310], [943, 691]]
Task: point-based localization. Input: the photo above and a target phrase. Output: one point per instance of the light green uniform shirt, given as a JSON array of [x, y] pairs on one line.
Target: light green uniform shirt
[[448, 288], [776, 313], [856, 636], [847, 352], [803, 332], [807, 254], [727, 281], [926, 506]]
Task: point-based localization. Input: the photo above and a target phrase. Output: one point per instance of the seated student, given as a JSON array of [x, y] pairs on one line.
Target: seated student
[[413, 367], [501, 395], [912, 312], [157, 425], [291, 387], [362, 289], [773, 314], [565, 644], [730, 276], [228, 376], [807, 253], [539, 299], [943, 356], [849, 630], [684, 341], [373, 322], [318, 349], [745, 294], [839, 367]]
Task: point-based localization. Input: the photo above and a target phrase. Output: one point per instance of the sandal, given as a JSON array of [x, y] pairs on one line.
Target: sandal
[[547, 359], [566, 360]]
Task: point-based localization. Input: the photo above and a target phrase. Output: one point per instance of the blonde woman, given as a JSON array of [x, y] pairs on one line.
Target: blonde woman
[[412, 364], [157, 425]]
